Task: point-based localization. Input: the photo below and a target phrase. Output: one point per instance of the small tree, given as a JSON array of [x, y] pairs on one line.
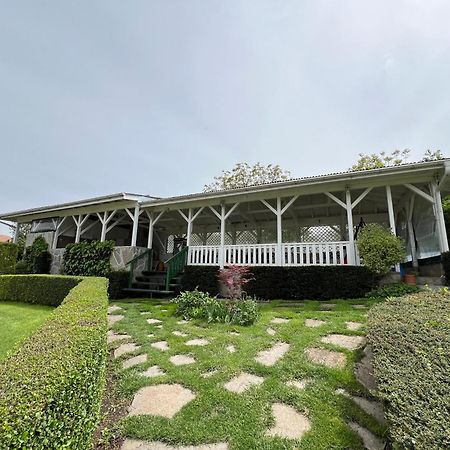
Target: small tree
[[382, 159], [37, 257], [379, 248], [243, 174], [233, 278]]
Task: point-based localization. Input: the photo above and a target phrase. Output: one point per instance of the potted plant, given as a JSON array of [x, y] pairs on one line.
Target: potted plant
[[411, 277]]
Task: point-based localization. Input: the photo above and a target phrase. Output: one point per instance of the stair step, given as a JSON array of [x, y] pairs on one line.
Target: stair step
[[148, 291], [153, 272], [145, 285]]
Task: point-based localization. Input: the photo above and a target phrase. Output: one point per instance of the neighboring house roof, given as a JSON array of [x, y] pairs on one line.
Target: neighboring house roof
[[4, 238], [439, 169]]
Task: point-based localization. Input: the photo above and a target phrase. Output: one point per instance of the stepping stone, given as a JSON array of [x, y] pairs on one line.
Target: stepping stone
[[181, 360], [314, 323], [235, 333], [359, 306], [182, 322], [133, 444], [364, 370], [126, 348], [179, 333], [145, 313], [153, 321], [326, 357], [197, 342], [242, 382], [231, 348], [271, 331], [209, 374], [299, 384], [112, 337], [289, 423], [150, 335], [158, 326], [154, 371], [370, 441], [160, 345], [353, 326], [112, 319], [270, 356], [139, 359], [342, 340], [163, 400], [279, 320], [164, 310], [328, 305], [113, 308], [371, 407]]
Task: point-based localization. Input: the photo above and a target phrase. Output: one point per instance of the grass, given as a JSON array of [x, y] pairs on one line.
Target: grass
[[216, 415], [17, 322]]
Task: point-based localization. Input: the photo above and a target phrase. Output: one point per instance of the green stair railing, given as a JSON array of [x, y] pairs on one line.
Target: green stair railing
[[134, 262], [175, 265]]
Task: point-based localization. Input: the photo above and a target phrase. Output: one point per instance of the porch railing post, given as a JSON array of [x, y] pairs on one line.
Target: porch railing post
[[351, 254]]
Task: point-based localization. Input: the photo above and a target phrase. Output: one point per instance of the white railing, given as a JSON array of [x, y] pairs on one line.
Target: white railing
[[315, 253], [292, 254]]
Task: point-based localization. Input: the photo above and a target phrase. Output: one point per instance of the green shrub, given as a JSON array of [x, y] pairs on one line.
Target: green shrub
[[446, 266], [199, 305], [291, 283], [88, 258], [21, 267], [40, 289], [379, 248], [393, 290], [37, 257], [51, 388], [410, 337], [118, 281], [8, 257]]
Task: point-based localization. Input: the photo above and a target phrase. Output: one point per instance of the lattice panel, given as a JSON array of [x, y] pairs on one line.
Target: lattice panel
[[323, 233]]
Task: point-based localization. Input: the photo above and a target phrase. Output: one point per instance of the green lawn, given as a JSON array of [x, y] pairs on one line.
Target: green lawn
[[18, 321], [241, 420]]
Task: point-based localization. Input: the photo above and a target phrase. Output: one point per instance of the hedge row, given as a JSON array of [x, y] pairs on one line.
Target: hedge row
[[291, 283], [8, 257], [51, 388], [410, 337], [40, 289]]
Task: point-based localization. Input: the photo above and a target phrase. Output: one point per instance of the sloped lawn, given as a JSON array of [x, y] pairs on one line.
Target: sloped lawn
[[17, 322], [236, 380]]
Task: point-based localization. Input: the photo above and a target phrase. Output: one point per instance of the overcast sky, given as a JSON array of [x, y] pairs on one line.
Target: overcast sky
[[157, 97]]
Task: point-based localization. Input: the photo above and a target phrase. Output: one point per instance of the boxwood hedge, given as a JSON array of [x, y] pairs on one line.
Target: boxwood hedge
[[410, 337], [291, 283], [41, 289], [51, 388]]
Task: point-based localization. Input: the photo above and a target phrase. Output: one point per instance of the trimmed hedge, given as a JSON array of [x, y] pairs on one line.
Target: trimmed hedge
[[8, 257], [291, 283], [118, 281], [51, 388], [410, 337], [40, 289]]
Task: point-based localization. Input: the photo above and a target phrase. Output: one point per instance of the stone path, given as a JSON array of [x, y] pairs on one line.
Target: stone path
[[327, 358], [328, 305], [314, 323], [145, 313], [163, 400], [243, 382], [133, 444], [153, 321], [113, 308], [235, 333], [353, 326], [370, 441], [278, 320], [359, 306], [181, 360], [371, 407], [299, 384], [139, 359], [364, 370], [271, 332], [231, 348], [342, 340], [161, 345], [209, 374], [179, 333], [112, 319], [112, 337], [289, 423], [182, 322], [154, 371], [270, 356], [197, 342], [125, 348]]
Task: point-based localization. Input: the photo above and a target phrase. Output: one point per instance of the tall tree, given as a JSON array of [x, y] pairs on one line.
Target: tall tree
[[243, 174]]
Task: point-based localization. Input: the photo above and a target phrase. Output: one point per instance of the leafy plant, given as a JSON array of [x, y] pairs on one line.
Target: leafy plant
[[37, 257], [233, 278], [88, 258], [8, 257], [379, 248], [393, 290]]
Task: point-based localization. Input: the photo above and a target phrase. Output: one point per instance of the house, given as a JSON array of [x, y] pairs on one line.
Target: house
[[304, 221]]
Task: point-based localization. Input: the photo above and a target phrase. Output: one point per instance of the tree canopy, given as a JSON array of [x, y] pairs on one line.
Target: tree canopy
[[244, 174]]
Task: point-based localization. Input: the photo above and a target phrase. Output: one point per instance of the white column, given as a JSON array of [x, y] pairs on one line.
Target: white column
[[279, 233], [135, 226], [150, 230], [104, 224], [390, 210], [78, 232], [412, 240], [222, 237], [351, 253], [16, 233], [189, 228], [439, 214]]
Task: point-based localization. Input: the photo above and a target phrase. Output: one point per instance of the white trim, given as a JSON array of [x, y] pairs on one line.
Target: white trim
[[351, 253], [337, 200], [416, 190], [390, 206], [361, 197]]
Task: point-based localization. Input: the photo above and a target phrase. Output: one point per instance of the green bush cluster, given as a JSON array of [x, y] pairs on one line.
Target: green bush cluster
[[36, 258], [291, 283], [51, 388], [199, 305], [39, 289], [410, 337], [393, 290], [8, 257], [88, 258]]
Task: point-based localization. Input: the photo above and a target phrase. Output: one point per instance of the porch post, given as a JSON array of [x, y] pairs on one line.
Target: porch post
[[412, 239], [189, 228], [222, 237], [135, 226], [279, 258], [103, 221], [390, 210], [151, 225], [439, 214], [56, 235], [80, 222], [16, 233], [348, 206]]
